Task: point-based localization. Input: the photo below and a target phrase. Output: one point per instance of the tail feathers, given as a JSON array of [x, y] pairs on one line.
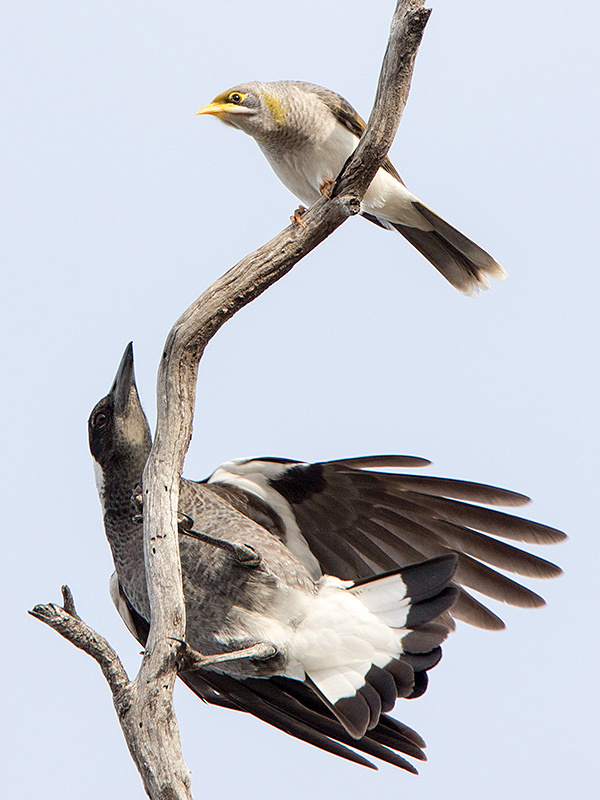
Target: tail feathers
[[426, 637], [293, 708], [430, 609], [361, 710], [407, 601], [462, 262]]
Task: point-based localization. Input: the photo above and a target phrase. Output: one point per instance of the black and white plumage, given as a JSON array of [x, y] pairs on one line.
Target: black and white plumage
[[348, 640]]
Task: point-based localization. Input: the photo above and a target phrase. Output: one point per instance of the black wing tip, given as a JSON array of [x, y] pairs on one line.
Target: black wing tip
[[554, 535]]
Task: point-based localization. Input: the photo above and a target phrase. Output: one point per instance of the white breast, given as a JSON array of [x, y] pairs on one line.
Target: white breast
[[303, 169]]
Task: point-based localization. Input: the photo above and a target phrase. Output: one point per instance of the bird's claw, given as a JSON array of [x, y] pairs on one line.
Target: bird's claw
[[184, 523], [326, 187], [137, 502], [296, 218], [247, 555], [244, 554]]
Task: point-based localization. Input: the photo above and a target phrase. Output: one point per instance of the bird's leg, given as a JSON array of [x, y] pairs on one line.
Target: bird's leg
[[326, 187], [260, 651], [296, 218], [244, 554]]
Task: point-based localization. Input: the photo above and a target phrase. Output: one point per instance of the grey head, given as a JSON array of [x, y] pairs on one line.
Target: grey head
[[119, 436], [280, 110]]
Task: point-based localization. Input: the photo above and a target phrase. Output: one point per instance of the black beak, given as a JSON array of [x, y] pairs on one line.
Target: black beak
[[124, 381]]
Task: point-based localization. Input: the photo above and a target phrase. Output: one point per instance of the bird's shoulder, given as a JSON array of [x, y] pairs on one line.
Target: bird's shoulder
[[345, 113]]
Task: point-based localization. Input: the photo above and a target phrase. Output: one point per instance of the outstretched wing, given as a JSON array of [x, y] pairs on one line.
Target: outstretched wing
[[344, 518]]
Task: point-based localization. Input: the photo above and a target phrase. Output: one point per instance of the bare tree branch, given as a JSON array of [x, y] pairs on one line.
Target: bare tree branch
[[145, 705], [408, 25], [66, 622], [143, 715]]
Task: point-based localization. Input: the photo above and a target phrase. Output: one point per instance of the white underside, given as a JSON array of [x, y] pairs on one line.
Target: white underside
[[332, 636], [340, 639], [303, 171]]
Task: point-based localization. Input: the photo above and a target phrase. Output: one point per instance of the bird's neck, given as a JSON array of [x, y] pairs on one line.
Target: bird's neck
[[116, 484]]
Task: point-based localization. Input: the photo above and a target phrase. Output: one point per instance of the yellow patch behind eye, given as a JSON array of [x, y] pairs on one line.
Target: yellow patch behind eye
[[276, 107]]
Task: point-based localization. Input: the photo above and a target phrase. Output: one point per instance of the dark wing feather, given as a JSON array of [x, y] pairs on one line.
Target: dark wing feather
[[358, 523], [349, 118]]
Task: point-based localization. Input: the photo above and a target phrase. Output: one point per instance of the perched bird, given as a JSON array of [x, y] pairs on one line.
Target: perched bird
[[282, 566], [307, 133]]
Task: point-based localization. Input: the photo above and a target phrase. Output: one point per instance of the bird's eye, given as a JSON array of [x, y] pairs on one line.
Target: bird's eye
[[236, 97], [100, 420]]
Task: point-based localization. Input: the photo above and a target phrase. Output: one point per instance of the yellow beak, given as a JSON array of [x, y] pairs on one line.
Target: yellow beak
[[217, 108]]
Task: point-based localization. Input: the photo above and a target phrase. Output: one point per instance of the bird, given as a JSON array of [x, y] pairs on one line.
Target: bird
[[317, 593], [308, 132]]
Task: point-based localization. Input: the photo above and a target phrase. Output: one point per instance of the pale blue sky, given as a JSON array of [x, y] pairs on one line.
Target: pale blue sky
[[120, 207]]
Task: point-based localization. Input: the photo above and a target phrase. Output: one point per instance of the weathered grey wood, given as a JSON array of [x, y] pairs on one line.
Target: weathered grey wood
[[145, 705], [406, 32], [69, 624], [144, 715]]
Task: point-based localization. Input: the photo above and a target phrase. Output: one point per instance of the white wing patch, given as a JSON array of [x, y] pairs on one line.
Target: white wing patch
[[253, 476]]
